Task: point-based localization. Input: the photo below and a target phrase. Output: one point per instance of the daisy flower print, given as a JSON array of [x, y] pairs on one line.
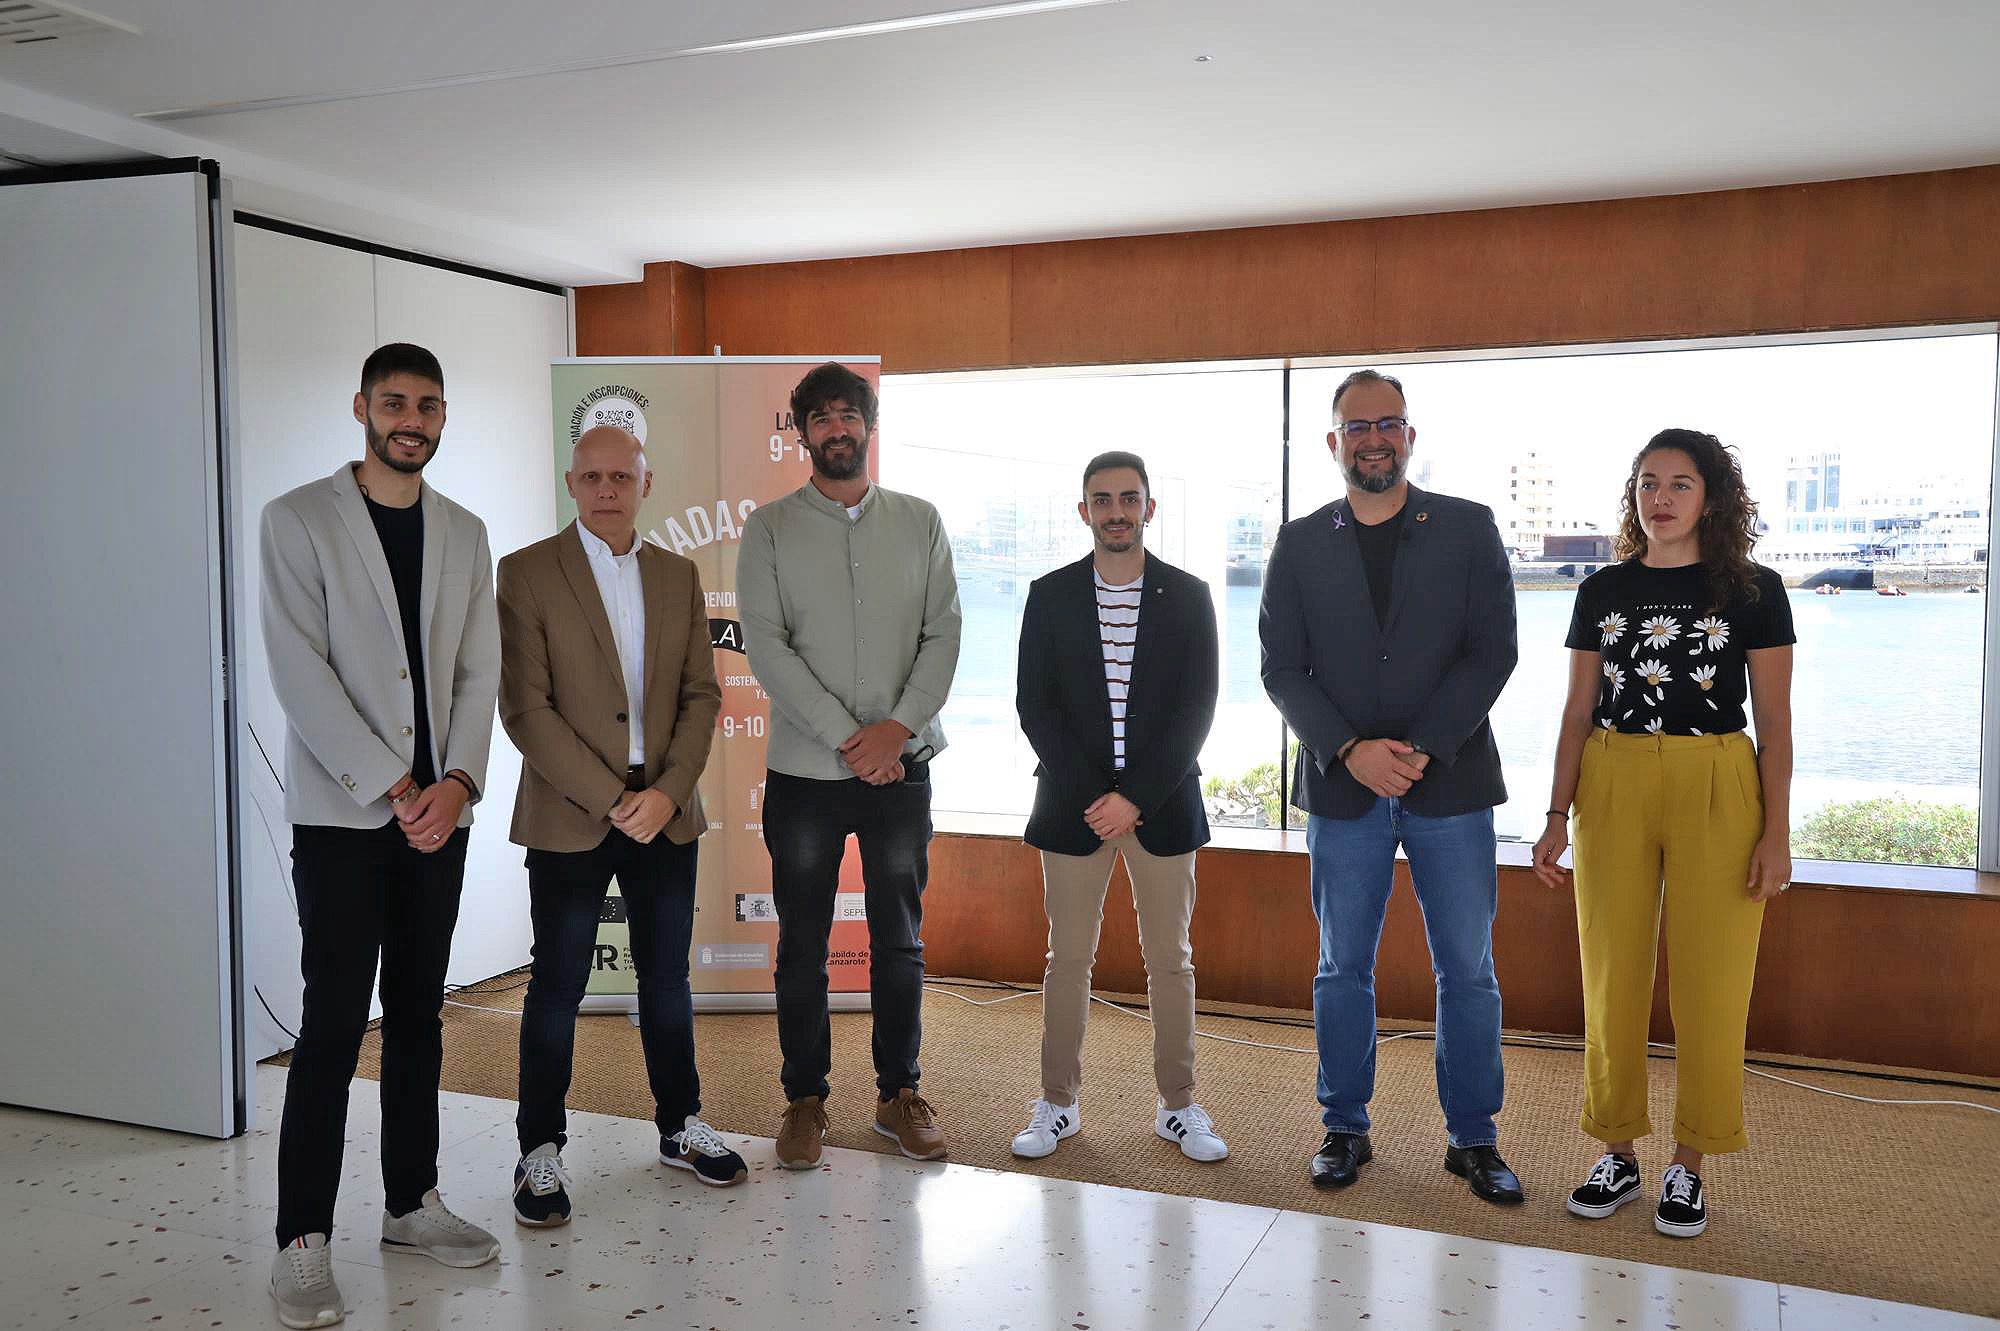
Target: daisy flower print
[[1612, 626], [1616, 674], [1660, 630], [1715, 630]]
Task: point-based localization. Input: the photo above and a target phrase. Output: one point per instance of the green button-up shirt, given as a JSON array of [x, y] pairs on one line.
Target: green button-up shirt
[[847, 621]]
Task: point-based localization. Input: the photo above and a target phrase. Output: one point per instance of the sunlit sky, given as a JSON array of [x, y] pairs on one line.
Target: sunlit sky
[[1899, 410]]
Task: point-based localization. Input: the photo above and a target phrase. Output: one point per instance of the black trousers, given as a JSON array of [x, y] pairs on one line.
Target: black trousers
[[566, 893], [365, 895], [806, 826]]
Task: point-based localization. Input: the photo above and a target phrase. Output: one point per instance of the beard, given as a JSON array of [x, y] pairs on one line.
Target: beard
[[1117, 546], [854, 464], [378, 444], [1376, 482]]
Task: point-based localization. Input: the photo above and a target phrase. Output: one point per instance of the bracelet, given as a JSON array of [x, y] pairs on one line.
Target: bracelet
[[1559, 813], [463, 780], [408, 792], [1340, 754]]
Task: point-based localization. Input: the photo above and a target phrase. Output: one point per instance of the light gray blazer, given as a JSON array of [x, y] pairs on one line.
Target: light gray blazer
[[334, 637]]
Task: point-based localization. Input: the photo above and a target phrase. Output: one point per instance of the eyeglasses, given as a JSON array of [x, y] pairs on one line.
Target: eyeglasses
[[1389, 427]]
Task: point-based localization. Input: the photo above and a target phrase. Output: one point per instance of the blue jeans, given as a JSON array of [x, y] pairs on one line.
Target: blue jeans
[[1453, 869], [566, 901]]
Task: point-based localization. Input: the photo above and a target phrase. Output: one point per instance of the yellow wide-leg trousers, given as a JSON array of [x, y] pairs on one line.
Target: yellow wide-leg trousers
[[1683, 813]]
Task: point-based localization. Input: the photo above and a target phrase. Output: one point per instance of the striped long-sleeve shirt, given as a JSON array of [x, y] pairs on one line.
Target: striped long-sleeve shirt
[[1118, 631]]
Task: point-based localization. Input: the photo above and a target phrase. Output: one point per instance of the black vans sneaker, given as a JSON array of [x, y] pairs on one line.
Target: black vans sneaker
[[1682, 1212], [1613, 1181], [700, 1149], [541, 1188]]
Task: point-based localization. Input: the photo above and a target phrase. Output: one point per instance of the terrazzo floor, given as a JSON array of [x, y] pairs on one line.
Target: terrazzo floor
[[108, 1226]]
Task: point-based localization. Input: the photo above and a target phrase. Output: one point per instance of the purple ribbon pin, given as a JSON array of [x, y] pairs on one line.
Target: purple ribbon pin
[[1339, 520]]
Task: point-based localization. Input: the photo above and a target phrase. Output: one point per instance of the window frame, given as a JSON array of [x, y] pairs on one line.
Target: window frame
[[1286, 839]]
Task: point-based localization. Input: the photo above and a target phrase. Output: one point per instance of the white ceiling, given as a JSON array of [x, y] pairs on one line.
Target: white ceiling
[[1086, 122]]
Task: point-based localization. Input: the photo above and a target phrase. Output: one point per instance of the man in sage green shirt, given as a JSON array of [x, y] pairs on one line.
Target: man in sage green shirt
[[851, 621]]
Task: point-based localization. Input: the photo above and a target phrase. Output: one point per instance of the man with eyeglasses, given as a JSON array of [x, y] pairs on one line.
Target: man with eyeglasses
[[1388, 633]]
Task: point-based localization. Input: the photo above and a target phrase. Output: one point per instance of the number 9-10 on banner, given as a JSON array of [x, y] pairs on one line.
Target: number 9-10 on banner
[[782, 448], [732, 726]]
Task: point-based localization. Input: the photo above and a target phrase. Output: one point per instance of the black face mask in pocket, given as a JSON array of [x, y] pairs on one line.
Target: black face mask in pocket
[[917, 766]]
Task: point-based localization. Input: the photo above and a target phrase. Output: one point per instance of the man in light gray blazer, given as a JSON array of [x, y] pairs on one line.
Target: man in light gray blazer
[[384, 651]]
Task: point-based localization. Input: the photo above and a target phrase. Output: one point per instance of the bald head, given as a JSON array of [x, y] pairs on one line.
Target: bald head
[[607, 478], [608, 444]]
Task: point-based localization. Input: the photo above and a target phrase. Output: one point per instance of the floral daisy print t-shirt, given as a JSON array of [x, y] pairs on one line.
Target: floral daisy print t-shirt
[[1670, 664]]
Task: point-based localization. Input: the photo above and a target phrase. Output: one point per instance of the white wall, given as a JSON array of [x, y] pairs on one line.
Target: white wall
[[307, 314]]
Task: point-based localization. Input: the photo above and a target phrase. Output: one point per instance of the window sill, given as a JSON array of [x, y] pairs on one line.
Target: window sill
[[1831, 875]]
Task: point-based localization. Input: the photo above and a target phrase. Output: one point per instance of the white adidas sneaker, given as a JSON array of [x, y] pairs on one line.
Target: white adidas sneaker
[[1047, 1125], [1192, 1130]]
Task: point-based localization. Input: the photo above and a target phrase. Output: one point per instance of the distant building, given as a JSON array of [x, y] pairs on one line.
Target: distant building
[[1532, 518], [1930, 520]]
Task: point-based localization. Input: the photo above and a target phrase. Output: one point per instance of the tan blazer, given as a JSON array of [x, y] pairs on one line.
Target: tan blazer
[[562, 693]]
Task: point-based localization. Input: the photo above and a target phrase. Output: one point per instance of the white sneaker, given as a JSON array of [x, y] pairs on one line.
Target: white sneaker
[[436, 1233], [302, 1283], [1047, 1125], [1192, 1129]]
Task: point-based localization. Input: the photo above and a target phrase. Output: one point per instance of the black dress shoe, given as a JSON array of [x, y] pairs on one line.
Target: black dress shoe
[[1482, 1167], [1340, 1158]]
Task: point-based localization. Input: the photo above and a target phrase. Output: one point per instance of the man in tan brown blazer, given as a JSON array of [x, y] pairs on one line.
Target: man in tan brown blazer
[[607, 686]]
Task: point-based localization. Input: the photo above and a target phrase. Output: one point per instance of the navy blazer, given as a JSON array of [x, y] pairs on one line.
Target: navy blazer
[[1065, 708], [1428, 677]]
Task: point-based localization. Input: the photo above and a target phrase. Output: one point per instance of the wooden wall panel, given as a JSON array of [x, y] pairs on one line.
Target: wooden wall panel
[[1910, 249], [917, 311], [1880, 976], [1903, 249], [1686, 266], [1204, 295], [619, 321]]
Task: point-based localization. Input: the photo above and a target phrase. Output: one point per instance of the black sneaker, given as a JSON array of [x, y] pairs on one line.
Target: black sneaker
[[1613, 1181], [1682, 1212], [541, 1188], [699, 1149]]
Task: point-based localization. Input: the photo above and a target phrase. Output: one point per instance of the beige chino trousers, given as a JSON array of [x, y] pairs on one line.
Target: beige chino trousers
[[1073, 888]]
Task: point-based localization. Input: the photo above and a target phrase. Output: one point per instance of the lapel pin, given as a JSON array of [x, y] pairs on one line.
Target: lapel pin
[[1424, 516], [1339, 520]]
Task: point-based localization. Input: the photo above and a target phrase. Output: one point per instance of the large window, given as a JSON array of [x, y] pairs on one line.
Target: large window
[[1871, 461], [1003, 459]]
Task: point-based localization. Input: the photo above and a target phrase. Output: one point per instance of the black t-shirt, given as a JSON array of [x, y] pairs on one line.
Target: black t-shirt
[[402, 534], [1670, 664], [1378, 558]]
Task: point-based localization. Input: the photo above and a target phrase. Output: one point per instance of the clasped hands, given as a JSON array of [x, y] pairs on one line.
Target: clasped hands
[[875, 752], [1389, 767], [428, 814], [640, 814]]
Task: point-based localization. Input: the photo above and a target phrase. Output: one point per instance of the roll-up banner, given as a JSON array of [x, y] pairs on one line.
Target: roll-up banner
[[719, 438]]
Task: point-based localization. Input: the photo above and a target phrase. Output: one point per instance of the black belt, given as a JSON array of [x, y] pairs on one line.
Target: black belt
[[635, 777]]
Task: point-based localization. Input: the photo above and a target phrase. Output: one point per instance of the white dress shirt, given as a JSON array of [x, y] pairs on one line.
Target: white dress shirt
[[625, 606]]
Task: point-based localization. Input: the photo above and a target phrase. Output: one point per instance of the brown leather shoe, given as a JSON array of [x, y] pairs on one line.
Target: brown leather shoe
[[801, 1132], [908, 1121]]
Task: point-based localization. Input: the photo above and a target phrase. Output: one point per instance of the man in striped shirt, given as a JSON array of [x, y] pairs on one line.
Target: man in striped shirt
[[1116, 691]]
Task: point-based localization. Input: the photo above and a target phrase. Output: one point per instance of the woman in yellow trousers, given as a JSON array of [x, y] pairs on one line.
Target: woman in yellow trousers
[[1674, 809]]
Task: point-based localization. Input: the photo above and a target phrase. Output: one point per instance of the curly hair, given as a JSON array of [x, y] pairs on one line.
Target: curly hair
[[1727, 527]]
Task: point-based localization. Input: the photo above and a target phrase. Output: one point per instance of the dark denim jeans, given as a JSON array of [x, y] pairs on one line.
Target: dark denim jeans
[[362, 895], [806, 826], [1452, 867], [566, 897]]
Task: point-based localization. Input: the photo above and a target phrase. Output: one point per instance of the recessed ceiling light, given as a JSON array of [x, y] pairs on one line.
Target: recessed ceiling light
[[1203, 59], [878, 28]]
